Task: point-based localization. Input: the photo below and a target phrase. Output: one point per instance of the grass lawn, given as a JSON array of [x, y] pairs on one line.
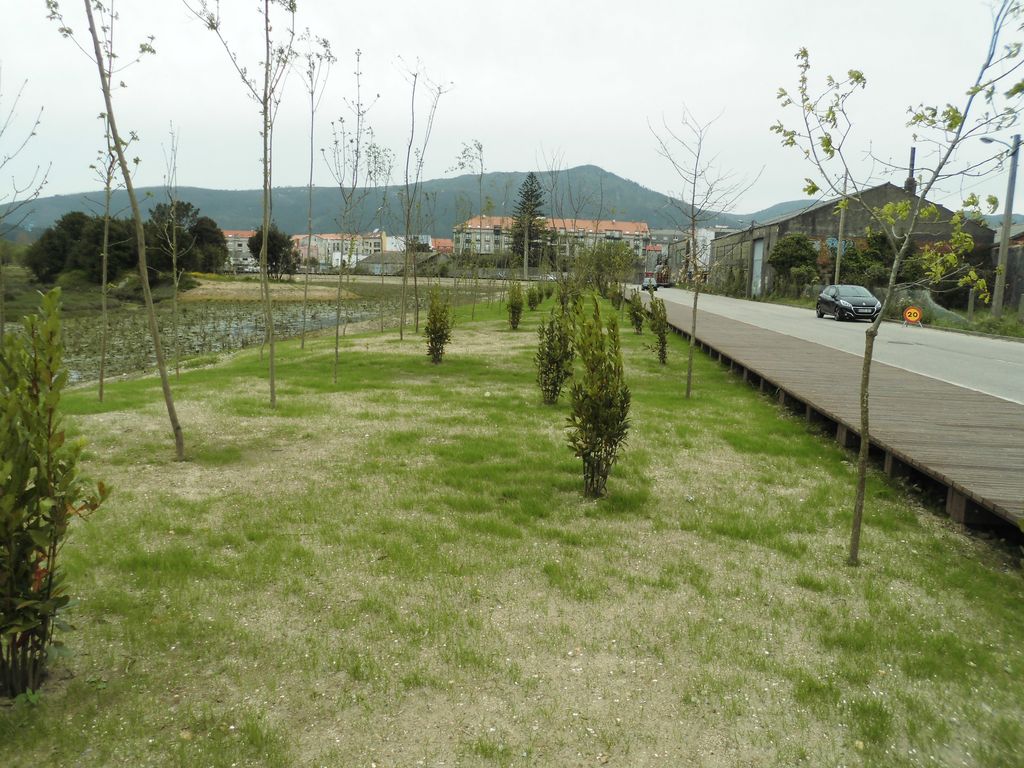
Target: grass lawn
[[401, 570]]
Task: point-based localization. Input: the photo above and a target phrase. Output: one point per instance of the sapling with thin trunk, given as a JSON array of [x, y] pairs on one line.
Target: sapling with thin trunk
[[317, 60], [707, 192], [825, 135], [266, 92], [102, 54], [412, 181]]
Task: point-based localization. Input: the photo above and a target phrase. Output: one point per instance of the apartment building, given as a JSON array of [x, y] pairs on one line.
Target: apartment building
[[239, 258], [493, 234], [327, 251]]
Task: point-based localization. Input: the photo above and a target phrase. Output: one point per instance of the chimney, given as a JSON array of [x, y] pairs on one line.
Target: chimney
[[910, 185]]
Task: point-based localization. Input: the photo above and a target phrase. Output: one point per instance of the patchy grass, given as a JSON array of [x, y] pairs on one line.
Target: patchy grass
[[1009, 325], [400, 569]]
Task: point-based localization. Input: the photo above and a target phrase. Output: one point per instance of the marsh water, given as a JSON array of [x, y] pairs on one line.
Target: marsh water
[[203, 328]]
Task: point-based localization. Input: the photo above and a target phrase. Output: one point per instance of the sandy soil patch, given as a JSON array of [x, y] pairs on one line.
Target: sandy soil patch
[[249, 290]]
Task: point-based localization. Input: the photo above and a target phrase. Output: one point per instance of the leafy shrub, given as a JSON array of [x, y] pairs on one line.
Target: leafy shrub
[[600, 402], [549, 290], [801, 277], [636, 312], [533, 297], [555, 355], [658, 320], [40, 493], [438, 328], [615, 294], [74, 279], [515, 304], [794, 251], [569, 294], [1007, 325]]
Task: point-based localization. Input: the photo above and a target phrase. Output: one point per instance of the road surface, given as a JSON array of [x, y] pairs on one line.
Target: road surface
[[992, 366]]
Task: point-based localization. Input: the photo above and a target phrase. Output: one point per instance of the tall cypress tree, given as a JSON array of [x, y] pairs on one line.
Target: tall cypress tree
[[529, 208]]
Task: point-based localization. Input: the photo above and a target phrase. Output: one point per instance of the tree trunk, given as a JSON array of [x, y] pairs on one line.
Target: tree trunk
[[415, 295], [309, 221], [405, 284], [268, 303], [337, 327], [865, 443], [693, 340], [337, 310], [176, 277], [140, 236], [104, 320]]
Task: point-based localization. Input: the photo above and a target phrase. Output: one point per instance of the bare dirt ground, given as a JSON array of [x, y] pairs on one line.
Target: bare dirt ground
[[249, 290]]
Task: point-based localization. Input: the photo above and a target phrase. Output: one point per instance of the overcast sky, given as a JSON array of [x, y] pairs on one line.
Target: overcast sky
[[538, 83]]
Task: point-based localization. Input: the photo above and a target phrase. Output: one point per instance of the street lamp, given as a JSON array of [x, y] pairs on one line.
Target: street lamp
[[1004, 240]]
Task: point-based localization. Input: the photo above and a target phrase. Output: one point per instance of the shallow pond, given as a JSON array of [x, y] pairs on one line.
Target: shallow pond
[[203, 328]]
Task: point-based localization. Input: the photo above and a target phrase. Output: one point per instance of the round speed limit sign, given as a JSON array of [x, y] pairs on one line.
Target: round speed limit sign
[[912, 315]]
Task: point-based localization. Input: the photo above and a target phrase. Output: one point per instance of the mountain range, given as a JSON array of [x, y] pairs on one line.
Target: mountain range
[[582, 192]]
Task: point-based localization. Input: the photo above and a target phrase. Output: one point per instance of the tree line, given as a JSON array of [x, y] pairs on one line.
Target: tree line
[[75, 241]]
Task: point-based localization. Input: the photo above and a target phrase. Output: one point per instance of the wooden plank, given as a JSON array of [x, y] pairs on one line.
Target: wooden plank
[[969, 441]]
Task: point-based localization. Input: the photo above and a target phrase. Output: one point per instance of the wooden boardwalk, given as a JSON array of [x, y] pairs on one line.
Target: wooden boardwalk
[[970, 442]]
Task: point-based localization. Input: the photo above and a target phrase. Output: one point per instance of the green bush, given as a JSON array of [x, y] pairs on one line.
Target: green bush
[[533, 297], [40, 493], [555, 355], [74, 280], [1007, 325], [615, 295], [801, 278], [569, 295], [440, 318], [793, 252], [515, 304], [599, 421], [658, 320], [636, 311]]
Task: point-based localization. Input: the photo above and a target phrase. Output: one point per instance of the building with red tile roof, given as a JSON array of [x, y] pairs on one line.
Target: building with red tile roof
[[493, 234]]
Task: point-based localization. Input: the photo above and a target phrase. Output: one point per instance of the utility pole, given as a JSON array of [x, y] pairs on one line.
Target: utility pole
[[1004, 240], [842, 224]]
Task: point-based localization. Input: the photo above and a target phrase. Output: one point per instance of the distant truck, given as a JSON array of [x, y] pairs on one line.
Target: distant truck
[[663, 275]]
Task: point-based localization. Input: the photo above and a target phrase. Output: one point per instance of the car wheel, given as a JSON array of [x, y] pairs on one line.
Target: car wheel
[[818, 312], [838, 316]]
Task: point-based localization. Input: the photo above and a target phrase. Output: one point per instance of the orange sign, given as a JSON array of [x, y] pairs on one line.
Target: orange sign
[[912, 314]]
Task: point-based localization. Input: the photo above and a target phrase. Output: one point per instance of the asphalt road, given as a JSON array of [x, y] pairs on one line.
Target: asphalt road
[[992, 366]]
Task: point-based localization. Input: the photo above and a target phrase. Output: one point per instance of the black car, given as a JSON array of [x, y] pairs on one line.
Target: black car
[[848, 302]]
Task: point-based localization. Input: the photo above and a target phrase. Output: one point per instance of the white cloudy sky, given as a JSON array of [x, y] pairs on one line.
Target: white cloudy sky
[[537, 82]]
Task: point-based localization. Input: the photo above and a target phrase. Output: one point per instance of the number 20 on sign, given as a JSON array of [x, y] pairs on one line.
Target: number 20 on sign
[[912, 315]]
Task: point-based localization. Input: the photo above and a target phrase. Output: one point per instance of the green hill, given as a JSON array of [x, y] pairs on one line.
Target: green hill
[[596, 193]]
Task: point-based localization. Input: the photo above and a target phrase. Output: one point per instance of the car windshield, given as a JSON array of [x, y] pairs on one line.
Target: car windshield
[[855, 292]]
